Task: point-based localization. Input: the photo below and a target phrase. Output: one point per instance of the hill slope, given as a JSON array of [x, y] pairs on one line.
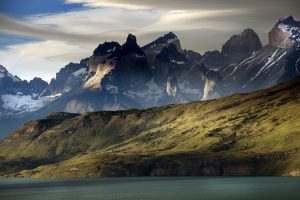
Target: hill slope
[[244, 134]]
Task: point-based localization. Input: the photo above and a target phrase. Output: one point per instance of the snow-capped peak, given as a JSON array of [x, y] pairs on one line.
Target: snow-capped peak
[[291, 26], [5, 73]]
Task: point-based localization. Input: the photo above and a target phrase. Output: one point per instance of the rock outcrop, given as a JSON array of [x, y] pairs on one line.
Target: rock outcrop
[[285, 33]]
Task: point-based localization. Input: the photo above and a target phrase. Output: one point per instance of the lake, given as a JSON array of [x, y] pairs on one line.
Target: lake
[[154, 188]]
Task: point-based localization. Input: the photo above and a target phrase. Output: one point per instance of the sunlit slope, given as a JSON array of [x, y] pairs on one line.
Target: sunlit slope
[[247, 134]]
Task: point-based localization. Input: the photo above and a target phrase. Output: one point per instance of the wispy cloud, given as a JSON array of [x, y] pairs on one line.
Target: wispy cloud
[[109, 4], [290, 5], [40, 59]]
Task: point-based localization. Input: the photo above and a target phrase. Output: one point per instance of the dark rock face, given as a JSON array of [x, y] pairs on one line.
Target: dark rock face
[[68, 78], [154, 48], [186, 165], [241, 46], [37, 85], [161, 41], [171, 54], [213, 59], [131, 46], [237, 48], [192, 56], [106, 48]]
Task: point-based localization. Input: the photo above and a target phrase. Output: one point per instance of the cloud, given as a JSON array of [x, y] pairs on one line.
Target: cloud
[[40, 59], [15, 27], [193, 19], [108, 4], [189, 4], [261, 13], [200, 24]]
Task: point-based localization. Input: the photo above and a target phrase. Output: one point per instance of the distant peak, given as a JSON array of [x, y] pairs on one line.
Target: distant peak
[[285, 33], [248, 31], [247, 41], [105, 48], [130, 41], [170, 35], [289, 21], [131, 38], [162, 41], [3, 70], [170, 53], [131, 46]]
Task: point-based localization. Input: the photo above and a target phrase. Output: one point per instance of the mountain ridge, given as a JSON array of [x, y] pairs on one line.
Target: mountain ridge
[[243, 134], [129, 76]]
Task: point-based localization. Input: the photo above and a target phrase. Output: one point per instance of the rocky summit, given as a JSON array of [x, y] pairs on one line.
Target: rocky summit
[[236, 49]]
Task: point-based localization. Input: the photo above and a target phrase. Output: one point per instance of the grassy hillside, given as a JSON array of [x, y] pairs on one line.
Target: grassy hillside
[[244, 134]]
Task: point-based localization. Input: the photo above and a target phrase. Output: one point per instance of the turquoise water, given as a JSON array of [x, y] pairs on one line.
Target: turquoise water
[[173, 188]]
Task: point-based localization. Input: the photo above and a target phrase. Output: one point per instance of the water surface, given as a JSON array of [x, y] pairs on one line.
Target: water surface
[[168, 188]]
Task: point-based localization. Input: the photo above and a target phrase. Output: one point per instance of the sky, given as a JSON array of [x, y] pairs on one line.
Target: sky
[[38, 37]]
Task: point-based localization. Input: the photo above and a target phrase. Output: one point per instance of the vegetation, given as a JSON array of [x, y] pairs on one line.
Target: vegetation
[[244, 134]]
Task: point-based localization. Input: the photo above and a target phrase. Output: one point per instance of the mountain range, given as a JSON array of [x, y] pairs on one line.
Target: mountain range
[[125, 76], [243, 134]]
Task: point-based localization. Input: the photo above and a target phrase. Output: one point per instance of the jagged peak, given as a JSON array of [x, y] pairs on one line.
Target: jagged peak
[[131, 46], [4, 73], [37, 79], [247, 39], [131, 38], [170, 35], [285, 33], [2, 69], [163, 40], [289, 21], [171, 53], [131, 41], [248, 31], [106, 48]]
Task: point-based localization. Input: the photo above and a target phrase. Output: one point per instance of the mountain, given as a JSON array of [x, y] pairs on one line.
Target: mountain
[[68, 78], [19, 96], [244, 134], [236, 49], [125, 76], [275, 63]]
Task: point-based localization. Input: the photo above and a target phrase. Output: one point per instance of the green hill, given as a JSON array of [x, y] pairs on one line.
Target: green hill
[[244, 134]]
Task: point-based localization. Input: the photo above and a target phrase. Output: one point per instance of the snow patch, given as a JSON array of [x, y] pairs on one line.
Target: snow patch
[[293, 31], [270, 62], [25, 103], [177, 62]]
